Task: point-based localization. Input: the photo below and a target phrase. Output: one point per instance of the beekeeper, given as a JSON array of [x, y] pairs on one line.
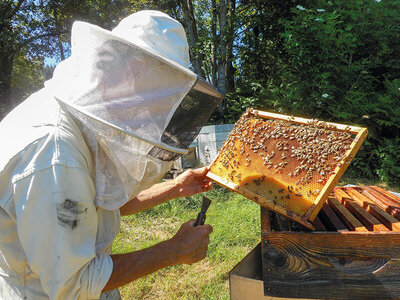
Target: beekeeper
[[88, 148]]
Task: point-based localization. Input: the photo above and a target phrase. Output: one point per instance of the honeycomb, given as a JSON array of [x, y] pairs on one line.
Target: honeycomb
[[287, 164]]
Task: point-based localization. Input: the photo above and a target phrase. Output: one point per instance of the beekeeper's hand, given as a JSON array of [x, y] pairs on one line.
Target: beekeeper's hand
[[191, 182], [190, 243], [187, 246]]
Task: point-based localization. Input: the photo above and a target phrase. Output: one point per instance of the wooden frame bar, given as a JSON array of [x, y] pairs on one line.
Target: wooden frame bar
[[332, 219], [385, 218], [299, 120], [386, 193], [369, 221], [381, 201], [383, 196], [260, 200], [352, 222], [338, 173]]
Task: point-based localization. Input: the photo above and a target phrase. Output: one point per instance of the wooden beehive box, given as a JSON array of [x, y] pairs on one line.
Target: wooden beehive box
[[353, 254], [286, 164]]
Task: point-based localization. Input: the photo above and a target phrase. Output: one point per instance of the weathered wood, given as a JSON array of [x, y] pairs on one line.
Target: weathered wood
[[333, 244], [319, 226], [370, 222], [265, 220], [351, 222], [329, 217], [358, 264], [331, 265]]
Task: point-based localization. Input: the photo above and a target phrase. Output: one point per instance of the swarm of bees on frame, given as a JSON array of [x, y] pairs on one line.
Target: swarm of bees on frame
[[303, 154]]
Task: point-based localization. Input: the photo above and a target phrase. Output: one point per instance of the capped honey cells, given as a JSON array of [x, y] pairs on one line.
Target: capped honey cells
[[286, 163]]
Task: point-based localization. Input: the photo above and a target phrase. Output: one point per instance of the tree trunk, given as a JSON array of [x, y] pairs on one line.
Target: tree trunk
[[191, 31], [214, 52], [221, 81], [229, 69], [61, 48], [6, 62], [59, 42]]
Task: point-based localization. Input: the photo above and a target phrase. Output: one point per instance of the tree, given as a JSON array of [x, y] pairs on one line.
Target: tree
[[28, 75], [220, 37], [29, 30], [33, 29], [15, 35], [192, 35], [210, 27], [259, 55]]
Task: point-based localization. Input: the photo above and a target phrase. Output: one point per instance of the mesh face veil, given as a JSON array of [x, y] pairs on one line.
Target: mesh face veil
[[138, 110]]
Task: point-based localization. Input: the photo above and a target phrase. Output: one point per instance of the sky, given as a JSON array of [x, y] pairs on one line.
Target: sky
[[51, 61]]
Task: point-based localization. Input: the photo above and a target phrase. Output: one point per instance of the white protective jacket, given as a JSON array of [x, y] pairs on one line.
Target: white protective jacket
[[54, 240], [136, 106]]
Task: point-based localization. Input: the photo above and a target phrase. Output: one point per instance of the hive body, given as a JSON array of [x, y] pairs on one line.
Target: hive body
[[353, 254]]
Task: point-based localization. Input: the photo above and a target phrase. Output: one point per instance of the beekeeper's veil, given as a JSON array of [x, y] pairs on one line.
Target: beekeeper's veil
[[138, 104]]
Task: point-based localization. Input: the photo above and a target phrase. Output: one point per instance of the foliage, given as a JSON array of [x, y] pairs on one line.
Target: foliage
[[332, 60], [344, 66], [260, 47], [32, 30], [28, 76], [388, 155], [260, 56]]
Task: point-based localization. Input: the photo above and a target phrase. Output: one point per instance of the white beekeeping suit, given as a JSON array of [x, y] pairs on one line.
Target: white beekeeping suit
[[104, 128]]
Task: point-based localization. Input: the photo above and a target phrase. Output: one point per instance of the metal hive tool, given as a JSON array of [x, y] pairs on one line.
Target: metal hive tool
[[286, 164]]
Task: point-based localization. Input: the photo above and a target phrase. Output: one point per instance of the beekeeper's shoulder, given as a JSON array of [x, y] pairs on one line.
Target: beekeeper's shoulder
[[39, 134]]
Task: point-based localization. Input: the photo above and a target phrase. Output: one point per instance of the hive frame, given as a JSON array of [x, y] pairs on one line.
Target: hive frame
[[306, 219]]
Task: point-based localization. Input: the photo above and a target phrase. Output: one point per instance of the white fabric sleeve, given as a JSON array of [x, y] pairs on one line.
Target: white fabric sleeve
[[57, 227]]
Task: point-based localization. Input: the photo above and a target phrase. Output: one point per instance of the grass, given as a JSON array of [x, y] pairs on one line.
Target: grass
[[236, 223]]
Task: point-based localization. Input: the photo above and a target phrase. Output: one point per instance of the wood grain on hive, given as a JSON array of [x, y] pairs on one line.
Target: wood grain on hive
[[286, 164], [353, 254]]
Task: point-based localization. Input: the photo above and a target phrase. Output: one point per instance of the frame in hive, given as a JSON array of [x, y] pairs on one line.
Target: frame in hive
[[284, 163]]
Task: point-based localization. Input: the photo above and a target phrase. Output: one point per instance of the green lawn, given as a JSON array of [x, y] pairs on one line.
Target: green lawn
[[236, 223]]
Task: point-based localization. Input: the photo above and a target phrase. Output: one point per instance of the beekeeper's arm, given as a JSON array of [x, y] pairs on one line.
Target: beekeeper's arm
[[189, 183], [57, 225], [189, 245]]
